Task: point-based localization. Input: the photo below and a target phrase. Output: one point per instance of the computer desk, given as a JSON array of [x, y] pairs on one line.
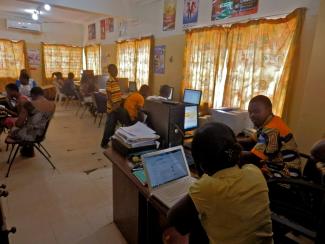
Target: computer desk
[[139, 216]]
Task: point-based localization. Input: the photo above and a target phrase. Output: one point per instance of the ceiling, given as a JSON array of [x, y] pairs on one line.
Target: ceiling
[[17, 9]]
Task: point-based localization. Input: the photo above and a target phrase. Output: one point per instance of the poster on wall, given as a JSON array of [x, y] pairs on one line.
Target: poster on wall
[[92, 32], [169, 17], [109, 24], [159, 59], [190, 12], [34, 58], [222, 9], [103, 29]]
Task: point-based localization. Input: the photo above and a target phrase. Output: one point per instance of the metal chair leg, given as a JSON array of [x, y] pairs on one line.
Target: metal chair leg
[[44, 156], [12, 148], [100, 120], [41, 146], [12, 161], [83, 112]]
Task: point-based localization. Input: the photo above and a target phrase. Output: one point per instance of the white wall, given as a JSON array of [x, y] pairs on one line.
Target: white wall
[[61, 33], [150, 17]]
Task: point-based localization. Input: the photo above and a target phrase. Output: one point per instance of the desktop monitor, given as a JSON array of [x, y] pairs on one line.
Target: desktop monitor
[[236, 119], [132, 86], [124, 84], [191, 118], [192, 96]]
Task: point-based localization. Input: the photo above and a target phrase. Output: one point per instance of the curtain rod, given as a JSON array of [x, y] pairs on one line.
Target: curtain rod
[[280, 15], [135, 38]]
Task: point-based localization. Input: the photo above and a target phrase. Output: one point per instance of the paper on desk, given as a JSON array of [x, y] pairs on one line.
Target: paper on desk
[[139, 130]]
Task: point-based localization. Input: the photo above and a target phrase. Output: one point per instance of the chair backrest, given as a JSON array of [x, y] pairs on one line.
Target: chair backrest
[[100, 102], [299, 201]]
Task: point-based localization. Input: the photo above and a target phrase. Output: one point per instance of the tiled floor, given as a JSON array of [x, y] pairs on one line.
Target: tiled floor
[[67, 205]]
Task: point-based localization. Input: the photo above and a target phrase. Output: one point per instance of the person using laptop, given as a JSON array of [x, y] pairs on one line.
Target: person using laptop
[[229, 202]]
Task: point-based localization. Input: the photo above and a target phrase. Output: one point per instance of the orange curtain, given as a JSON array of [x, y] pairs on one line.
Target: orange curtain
[[260, 58], [61, 58], [232, 64], [134, 59], [13, 58], [92, 55], [205, 56]]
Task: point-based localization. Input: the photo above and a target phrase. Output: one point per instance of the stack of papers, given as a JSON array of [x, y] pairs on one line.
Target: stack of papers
[[137, 135]]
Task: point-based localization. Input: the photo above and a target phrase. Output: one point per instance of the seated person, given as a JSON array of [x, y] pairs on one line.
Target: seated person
[[88, 86], [115, 112], [135, 101], [315, 167], [230, 202], [68, 88], [275, 150], [33, 117], [16, 102], [164, 93], [57, 79], [25, 83]]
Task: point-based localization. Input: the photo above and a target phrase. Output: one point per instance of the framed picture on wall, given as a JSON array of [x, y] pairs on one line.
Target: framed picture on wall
[[169, 17], [159, 59], [190, 12], [102, 29], [92, 31]]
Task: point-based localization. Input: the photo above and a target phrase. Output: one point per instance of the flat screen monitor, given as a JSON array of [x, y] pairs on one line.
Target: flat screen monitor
[[124, 84], [192, 96], [132, 86], [191, 119]]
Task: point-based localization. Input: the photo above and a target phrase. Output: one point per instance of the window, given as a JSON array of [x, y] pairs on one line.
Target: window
[[92, 55], [252, 58], [61, 58], [12, 60], [133, 60]]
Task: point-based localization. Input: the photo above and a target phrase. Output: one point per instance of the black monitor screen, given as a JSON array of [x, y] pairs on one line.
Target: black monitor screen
[[192, 96], [132, 86], [191, 120]]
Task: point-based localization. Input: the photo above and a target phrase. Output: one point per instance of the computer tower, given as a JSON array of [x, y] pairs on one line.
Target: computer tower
[[167, 119]]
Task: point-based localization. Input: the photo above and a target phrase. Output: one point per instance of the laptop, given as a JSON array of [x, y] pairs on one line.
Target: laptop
[[168, 175]]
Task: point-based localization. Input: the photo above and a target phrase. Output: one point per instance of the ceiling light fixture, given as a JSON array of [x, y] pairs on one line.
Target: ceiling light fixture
[[47, 7]]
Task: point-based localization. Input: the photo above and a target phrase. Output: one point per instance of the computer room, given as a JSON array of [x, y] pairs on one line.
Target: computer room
[[162, 121]]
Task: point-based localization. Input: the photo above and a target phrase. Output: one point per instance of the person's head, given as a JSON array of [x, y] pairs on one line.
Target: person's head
[[57, 75], [12, 91], [259, 109], [214, 147], [36, 92], [71, 76], [144, 91], [112, 70], [164, 91], [318, 150], [24, 78]]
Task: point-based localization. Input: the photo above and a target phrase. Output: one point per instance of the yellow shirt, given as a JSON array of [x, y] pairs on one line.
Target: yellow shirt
[[234, 206], [132, 104], [114, 94]]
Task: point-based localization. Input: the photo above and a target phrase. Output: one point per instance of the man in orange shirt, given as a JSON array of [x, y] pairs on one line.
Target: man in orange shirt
[[275, 148], [135, 102]]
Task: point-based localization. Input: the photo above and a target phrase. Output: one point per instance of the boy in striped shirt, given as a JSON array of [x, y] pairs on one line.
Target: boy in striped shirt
[[115, 113]]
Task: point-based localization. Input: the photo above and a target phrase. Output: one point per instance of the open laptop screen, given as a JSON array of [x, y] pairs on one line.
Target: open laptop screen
[[165, 167]]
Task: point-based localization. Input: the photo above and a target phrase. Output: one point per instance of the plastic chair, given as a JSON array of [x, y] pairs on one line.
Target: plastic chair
[[58, 94], [100, 106], [36, 143], [297, 206]]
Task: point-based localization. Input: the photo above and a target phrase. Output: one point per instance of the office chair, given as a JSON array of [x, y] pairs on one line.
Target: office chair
[[297, 206], [100, 106], [36, 143]]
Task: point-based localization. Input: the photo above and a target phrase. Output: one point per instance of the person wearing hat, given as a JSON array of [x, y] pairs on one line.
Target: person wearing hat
[[229, 202]]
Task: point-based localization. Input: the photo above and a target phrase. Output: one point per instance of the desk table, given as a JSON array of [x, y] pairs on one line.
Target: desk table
[[138, 215]]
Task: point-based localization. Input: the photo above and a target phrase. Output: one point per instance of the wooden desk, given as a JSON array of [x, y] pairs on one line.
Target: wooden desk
[[2, 97], [138, 215]]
